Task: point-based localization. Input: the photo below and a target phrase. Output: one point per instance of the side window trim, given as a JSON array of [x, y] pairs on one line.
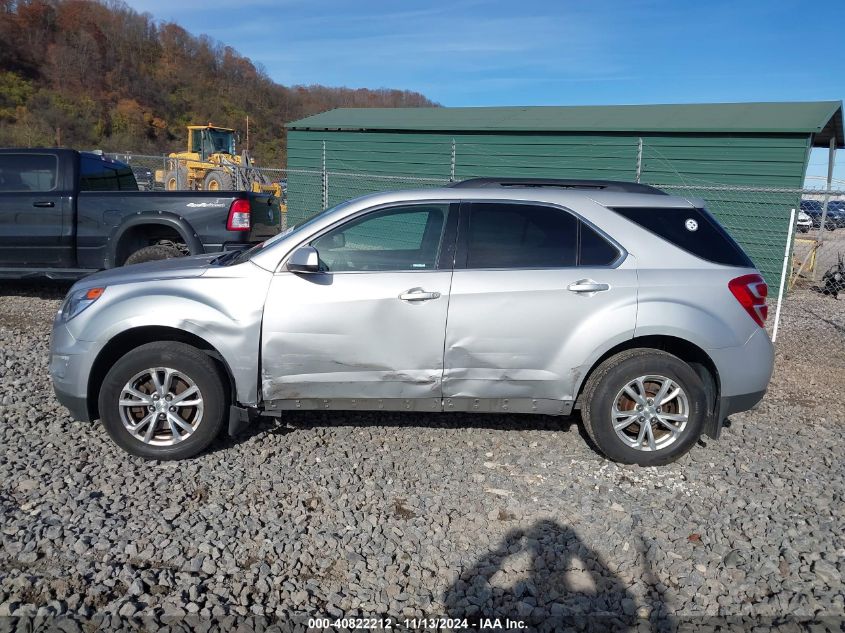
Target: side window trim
[[461, 253]]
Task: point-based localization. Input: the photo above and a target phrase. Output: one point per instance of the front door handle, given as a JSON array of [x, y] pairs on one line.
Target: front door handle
[[418, 294], [587, 285], [44, 204]]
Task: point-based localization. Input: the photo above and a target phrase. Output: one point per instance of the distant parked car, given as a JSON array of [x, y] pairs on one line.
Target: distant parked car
[[804, 222], [836, 211], [814, 209]]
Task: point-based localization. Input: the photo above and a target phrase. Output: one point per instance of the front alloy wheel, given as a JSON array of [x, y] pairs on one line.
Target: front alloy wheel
[[161, 406], [164, 400]]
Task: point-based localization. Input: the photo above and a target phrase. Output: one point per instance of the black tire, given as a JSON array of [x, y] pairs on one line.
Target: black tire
[[189, 362], [218, 181], [152, 253], [174, 181], [608, 380]]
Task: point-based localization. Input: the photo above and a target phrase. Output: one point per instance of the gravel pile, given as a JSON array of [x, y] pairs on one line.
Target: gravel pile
[[423, 515]]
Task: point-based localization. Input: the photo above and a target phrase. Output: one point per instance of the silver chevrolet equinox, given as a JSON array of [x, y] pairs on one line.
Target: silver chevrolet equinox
[[492, 296]]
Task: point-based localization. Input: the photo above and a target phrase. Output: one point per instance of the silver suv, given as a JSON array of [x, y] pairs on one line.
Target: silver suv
[[490, 296]]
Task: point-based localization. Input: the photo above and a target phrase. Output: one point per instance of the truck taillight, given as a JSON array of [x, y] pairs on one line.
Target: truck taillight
[[239, 216], [751, 292]]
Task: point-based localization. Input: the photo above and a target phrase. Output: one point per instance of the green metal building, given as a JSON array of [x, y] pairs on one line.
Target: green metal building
[[711, 151]]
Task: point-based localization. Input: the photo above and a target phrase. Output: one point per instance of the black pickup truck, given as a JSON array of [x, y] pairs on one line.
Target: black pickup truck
[[65, 214]]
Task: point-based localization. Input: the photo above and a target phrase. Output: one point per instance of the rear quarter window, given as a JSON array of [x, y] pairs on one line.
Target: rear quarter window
[[693, 230]]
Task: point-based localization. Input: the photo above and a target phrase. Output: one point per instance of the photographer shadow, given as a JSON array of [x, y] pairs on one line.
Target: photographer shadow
[[546, 578]]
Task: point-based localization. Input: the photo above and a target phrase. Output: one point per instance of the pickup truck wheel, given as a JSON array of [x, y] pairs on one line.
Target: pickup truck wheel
[[163, 400], [645, 407], [152, 253]]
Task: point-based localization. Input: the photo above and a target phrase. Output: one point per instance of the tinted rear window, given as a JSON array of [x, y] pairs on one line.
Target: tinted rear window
[[513, 235], [101, 175], [693, 230]]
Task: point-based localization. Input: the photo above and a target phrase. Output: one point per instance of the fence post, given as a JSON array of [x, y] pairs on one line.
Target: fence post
[[639, 158], [786, 254], [452, 164], [830, 160], [325, 180]]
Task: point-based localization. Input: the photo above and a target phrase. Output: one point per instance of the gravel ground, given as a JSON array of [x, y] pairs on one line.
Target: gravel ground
[[417, 515]]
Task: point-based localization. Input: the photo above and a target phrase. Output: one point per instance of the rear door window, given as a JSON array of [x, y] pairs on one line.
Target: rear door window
[[693, 230], [28, 172], [514, 235]]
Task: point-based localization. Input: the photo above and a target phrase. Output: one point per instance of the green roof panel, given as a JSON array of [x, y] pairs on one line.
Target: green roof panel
[[822, 119]]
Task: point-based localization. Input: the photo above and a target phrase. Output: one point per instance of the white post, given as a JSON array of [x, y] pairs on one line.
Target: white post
[[639, 158], [783, 273], [325, 184]]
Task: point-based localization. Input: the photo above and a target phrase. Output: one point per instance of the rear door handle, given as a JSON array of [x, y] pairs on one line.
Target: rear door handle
[[587, 285], [44, 203], [418, 294]]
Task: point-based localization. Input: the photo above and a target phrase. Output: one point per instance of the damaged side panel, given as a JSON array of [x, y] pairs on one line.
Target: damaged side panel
[[349, 335], [523, 334]]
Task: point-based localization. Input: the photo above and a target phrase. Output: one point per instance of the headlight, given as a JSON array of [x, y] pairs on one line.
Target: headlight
[[77, 301]]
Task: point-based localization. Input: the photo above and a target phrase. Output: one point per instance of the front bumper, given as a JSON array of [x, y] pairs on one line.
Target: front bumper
[[70, 367]]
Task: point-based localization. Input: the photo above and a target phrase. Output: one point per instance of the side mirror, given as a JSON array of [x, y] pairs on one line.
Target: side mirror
[[304, 259]]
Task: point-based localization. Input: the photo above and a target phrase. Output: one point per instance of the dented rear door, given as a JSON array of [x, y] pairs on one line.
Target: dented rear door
[[536, 294]]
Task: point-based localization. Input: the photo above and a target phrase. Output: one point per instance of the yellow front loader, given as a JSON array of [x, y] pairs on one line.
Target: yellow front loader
[[211, 164]]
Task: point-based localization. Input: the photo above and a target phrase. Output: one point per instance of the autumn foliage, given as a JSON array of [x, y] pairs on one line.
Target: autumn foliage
[[89, 74]]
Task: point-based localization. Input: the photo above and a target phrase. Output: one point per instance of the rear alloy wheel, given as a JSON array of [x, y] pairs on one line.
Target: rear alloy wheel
[[650, 413], [163, 401], [644, 406]]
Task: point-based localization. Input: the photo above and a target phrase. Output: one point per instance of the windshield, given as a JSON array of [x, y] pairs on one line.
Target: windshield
[[213, 141], [223, 142]]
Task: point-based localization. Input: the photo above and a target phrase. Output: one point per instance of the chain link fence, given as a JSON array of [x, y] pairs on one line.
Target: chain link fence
[[779, 228]]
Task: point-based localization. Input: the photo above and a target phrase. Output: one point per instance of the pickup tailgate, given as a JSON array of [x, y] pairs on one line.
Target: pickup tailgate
[[265, 215]]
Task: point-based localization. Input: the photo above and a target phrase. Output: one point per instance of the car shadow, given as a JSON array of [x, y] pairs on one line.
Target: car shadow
[[546, 578], [296, 421]]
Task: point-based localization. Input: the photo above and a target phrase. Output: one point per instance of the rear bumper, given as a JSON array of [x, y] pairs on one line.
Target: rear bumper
[[744, 374], [729, 405]]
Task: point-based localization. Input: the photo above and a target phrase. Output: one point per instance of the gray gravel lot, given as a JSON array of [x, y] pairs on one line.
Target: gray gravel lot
[[424, 515]]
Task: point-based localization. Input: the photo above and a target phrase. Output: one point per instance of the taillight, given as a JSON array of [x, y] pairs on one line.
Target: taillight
[[239, 215], [751, 292]]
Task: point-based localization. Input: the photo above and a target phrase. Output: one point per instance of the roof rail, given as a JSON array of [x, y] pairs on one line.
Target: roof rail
[[602, 185]]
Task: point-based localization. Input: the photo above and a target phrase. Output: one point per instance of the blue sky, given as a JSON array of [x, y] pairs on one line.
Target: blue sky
[[536, 52]]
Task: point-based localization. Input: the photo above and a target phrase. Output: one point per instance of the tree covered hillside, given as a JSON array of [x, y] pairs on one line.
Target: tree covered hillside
[[88, 74]]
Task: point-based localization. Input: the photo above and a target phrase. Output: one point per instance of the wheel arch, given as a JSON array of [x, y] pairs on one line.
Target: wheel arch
[[146, 223], [688, 352], [126, 341]]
